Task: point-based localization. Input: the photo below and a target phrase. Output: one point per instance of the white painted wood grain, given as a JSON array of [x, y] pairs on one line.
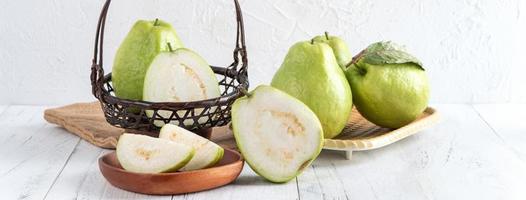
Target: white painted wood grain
[[248, 186], [32, 153], [87, 182], [94, 185], [2, 108], [509, 123], [321, 180], [460, 158], [111, 192], [71, 179]]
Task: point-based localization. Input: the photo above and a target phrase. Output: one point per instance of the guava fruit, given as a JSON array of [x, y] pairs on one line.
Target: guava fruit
[[277, 134], [180, 75], [339, 47], [390, 86], [145, 40], [207, 153], [144, 154], [311, 74]]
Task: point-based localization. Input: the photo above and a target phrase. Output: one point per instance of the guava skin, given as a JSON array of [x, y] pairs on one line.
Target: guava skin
[[145, 40], [339, 47], [237, 122], [390, 95], [200, 159], [311, 74]]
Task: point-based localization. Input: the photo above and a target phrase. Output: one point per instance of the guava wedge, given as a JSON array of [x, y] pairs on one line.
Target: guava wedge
[[277, 134], [207, 153], [179, 76], [144, 154]]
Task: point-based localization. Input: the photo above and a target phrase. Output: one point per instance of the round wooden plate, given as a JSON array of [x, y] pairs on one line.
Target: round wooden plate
[[226, 171]]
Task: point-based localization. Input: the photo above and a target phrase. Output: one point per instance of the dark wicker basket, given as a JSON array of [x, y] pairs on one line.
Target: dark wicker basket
[[197, 116]]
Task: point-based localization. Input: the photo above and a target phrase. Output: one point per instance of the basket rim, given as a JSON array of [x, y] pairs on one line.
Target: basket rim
[[186, 105], [98, 79]]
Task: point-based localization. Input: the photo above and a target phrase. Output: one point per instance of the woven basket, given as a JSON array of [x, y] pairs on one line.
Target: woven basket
[[198, 116]]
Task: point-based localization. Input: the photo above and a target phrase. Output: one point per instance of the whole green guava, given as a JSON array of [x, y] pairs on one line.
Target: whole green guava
[[310, 73], [390, 87], [143, 43]]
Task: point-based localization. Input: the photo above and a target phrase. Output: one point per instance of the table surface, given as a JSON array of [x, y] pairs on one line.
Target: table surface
[[474, 152]]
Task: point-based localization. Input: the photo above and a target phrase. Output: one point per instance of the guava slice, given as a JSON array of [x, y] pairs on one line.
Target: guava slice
[[179, 76], [277, 134], [207, 153], [144, 154]]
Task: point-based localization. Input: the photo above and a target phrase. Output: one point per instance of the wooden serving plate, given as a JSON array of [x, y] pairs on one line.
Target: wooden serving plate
[[226, 171], [360, 134]]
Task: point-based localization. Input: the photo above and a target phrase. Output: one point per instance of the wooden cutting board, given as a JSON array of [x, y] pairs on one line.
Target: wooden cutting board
[[87, 121]]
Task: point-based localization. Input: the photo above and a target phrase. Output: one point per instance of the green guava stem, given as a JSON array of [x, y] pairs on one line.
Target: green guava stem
[[361, 71], [312, 41], [327, 35], [156, 23], [170, 47], [245, 92], [356, 58]]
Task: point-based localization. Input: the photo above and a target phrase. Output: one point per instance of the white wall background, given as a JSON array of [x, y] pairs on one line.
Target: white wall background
[[473, 50]]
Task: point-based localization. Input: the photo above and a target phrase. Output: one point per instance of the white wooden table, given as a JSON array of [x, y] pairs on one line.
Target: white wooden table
[[475, 152]]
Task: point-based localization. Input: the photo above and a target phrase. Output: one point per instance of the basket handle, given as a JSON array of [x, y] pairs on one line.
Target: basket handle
[[97, 71]]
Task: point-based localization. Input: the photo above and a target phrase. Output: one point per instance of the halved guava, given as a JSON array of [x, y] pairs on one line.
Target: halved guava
[[277, 134], [144, 154], [179, 76], [207, 153]]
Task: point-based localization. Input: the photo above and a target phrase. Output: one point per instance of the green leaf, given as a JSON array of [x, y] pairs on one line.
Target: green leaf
[[388, 52]]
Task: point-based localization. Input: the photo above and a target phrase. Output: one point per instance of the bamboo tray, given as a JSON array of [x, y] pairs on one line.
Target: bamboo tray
[[361, 135]]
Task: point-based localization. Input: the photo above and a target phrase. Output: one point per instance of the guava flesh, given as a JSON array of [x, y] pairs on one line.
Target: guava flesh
[[144, 154], [278, 135], [207, 153], [179, 76]]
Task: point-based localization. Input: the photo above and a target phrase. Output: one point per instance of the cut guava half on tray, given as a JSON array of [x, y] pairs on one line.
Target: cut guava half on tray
[[144, 154], [207, 153], [277, 134], [179, 76]]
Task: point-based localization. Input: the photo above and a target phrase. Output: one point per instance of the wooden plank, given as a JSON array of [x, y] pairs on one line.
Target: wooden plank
[[248, 186], [88, 182], [70, 181], [507, 120], [93, 186], [3, 108], [111, 192], [321, 181], [32, 153], [460, 158]]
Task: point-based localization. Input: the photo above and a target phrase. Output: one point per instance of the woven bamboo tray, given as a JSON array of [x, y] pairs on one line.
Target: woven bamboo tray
[[360, 134]]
